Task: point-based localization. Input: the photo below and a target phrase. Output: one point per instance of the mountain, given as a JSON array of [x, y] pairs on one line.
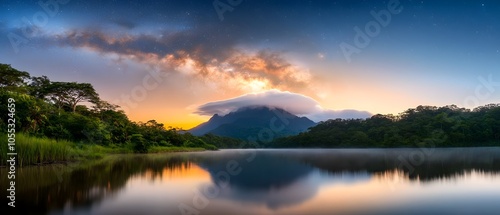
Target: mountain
[[250, 121]]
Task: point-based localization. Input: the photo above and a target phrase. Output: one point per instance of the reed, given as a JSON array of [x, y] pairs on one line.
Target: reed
[[35, 150], [41, 150]]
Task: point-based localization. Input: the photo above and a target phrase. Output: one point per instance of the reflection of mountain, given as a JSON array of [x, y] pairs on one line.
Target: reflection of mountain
[[270, 177], [264, 172], [266, 179], [250, 121]]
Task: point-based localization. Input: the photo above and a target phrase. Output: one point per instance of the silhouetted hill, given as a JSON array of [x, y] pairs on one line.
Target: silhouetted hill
[[249, 121]]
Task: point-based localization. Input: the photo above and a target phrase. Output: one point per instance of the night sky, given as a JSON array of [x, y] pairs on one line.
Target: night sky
[[181, 61]]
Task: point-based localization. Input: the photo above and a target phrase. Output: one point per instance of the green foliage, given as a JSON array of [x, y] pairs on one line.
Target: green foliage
[[165, 143], [58, 132], [140, 145], [30, 113], [196, 142], [12, 79], [162, 149], [49, 109], [69, 94], [221, 142], [429, 126], [210, 147], [39, 86]]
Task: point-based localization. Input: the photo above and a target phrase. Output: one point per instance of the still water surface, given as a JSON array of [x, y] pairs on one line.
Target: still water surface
[[312, 181]]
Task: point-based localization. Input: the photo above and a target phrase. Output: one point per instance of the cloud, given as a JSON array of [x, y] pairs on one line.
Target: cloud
[[204, 48], [186, 52], [125, 23], [294, 103]]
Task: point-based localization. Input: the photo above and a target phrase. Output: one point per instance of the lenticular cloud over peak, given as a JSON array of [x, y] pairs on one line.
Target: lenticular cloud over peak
[[291, 102], [294, 103]]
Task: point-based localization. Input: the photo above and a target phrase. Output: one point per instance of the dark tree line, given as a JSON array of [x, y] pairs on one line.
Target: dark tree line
[[74, 111], [429, 126]]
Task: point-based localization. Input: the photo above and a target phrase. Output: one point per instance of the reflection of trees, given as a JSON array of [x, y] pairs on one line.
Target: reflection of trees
[[397, 176], [43, 189], [278, 168], [49, 188], [440, 164]]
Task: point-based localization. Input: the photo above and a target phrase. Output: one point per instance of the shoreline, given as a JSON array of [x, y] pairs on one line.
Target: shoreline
[[104, 156], [168, 150]]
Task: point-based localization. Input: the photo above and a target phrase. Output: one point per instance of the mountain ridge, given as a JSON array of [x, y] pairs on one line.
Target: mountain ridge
[[250, 120]]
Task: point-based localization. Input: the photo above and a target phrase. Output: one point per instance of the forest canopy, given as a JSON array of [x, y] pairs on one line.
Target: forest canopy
[[423, 126], [74, 111]]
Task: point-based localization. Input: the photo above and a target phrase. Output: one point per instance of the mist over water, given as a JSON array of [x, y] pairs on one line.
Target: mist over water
[[267, 181]]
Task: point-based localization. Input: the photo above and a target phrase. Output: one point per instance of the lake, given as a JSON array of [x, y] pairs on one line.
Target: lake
[[267, 181]]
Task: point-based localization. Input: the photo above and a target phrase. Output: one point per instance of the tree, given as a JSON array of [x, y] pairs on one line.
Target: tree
[[39, 86], [12, 79], [140, 145], [118, 125], [71, 93], [101, 106], [36, 118]]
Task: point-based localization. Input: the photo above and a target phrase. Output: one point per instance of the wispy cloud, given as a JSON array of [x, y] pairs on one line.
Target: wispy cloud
[[186, 52], [124, 23]]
